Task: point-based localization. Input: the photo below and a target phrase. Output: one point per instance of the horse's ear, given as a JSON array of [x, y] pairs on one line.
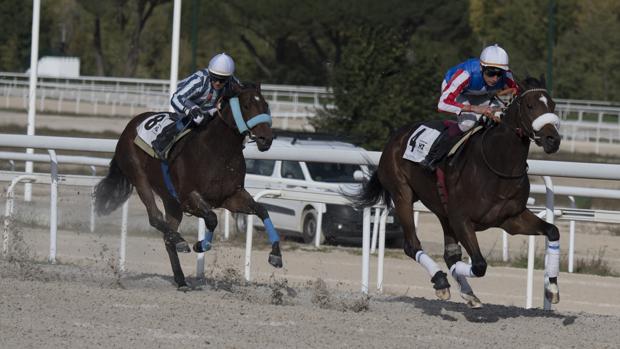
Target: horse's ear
[[543, 82], [235, 90], [258, 87], [521, 85]]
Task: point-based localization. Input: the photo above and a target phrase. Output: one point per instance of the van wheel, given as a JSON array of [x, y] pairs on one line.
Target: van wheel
[[308, 227], [241, 222]]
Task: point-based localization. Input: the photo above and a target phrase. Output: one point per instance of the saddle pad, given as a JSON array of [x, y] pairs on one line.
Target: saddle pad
[[420, 143], [152, 126]]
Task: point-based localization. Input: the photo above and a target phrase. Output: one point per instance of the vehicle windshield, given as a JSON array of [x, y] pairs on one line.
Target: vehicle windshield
[[332, 173], [259, 167]]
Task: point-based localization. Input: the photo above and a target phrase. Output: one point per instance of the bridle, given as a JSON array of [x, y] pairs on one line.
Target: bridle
[[537, 124], [244, 127]]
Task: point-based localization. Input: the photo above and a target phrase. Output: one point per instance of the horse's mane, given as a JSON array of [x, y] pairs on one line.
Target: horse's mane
[[531, 82], [237, 89]]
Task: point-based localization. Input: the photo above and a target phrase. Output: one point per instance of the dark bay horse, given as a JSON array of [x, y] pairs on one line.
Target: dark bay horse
[[485, 186], [207, 171]]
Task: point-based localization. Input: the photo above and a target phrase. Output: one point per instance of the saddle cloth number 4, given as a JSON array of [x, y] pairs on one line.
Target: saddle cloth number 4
[[420, 143]]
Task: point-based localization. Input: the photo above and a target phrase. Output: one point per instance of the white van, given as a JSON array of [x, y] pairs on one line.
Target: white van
[[341, 223]]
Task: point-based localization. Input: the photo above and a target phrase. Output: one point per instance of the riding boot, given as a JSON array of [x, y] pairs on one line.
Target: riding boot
[[162, 142], [439, 151]]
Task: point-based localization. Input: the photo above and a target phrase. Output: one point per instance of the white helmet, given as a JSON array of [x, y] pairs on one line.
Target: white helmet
[[222, 65], [494, 56]]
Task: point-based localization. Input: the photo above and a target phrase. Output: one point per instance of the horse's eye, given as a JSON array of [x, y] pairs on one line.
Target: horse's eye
[[529, 106]]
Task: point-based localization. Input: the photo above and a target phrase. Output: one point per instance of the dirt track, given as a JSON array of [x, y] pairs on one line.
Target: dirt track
[[314, 302]]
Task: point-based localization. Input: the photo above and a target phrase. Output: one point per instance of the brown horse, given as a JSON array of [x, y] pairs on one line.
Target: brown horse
[[206, 170], [485, 186]]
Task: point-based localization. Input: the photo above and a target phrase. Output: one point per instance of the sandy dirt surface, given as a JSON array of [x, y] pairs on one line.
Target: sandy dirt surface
[[85, 301]]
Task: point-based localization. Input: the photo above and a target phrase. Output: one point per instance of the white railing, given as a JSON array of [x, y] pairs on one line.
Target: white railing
[[125, 96], [299, 101], [543, 168]]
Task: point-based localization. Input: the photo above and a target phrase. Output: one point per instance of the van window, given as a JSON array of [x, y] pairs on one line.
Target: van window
[[259, 167], [332, 173], [291, 169]]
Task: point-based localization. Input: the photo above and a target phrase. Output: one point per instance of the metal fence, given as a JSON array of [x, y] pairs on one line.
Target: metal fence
[[596, 122]]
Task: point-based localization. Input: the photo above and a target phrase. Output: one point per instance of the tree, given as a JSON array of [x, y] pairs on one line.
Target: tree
[[587, 60], [380, 85]]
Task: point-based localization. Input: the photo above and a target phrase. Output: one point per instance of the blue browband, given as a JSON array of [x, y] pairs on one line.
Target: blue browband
[[242, 125]]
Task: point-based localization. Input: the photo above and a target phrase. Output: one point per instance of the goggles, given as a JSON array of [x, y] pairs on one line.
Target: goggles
[[493, 72]]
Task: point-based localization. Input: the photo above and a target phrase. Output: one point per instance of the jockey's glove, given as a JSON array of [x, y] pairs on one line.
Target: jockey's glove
[[195, 114], [212, 111]]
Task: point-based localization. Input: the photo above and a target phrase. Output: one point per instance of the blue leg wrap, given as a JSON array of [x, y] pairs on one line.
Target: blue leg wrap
[[271, 231], [206, 243]]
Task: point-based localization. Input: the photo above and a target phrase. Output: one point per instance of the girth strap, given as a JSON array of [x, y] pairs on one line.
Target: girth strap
[[441, 188], [167, 180]]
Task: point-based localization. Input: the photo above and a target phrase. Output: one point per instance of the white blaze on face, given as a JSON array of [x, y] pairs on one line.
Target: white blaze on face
[[544, 100], [256, 98]]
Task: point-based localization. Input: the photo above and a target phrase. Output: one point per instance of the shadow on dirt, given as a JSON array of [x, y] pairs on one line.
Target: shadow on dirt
[[488, 314]]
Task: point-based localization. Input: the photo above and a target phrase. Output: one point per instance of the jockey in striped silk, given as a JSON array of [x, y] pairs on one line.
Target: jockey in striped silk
[[196, 98]]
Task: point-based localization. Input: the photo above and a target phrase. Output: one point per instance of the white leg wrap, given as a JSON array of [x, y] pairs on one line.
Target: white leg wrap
[[427, 262], [553, 259], [461, 280], [461, 269]]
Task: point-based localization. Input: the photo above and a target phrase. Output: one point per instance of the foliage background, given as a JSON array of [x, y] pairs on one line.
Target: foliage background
[[384, 60]]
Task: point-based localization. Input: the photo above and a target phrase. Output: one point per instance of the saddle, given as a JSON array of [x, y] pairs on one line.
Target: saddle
[[435, 140], [151, 127]]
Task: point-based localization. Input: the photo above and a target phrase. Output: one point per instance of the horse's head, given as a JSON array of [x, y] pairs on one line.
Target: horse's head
[[248, 111], [533, 114]]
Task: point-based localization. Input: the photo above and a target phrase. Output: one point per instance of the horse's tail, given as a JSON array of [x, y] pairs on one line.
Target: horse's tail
[[112, 191], [372, 191]]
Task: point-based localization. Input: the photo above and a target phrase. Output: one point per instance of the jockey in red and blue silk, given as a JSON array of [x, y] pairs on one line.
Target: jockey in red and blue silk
[[467, 88], [196, 97]]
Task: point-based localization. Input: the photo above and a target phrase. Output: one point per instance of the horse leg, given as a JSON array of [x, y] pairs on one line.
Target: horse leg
[[452, 256], [200, 208], [243, 202], [403, 203], [172, 239], [527, 223], [466, 235], [174, 215]]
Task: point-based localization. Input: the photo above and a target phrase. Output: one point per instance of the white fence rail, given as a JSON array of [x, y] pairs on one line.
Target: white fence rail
[[118, 96], [583, 120], [543, 168]]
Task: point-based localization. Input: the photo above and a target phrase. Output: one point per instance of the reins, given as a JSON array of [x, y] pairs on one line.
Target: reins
[[518, 130], [488, 165]]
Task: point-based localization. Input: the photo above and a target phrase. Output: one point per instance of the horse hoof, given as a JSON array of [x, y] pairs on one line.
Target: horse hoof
[[552, 293], [443, 294], [184, 288], [472, 301], [199, 248], [183, 247], [276, 261], [440, 280]]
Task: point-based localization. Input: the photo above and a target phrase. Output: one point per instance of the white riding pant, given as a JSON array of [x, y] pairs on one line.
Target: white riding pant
[[467, 120]]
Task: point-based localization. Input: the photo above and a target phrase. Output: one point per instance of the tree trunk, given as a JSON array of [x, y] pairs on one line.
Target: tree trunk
[[99, 59]]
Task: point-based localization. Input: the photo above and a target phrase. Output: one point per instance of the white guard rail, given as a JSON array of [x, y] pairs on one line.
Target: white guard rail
[[544, 168]]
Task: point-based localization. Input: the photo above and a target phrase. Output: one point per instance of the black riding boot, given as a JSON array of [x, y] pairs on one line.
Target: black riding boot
[[162, 142], [438, 152]]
